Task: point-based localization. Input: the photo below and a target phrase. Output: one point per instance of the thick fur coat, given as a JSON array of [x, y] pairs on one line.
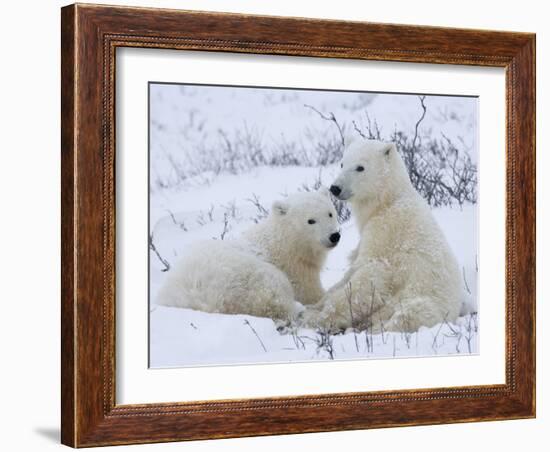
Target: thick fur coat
[[403, 274], [271, 271]]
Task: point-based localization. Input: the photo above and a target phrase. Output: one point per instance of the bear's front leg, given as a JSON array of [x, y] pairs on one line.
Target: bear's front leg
[[359, 300], [335, 311]]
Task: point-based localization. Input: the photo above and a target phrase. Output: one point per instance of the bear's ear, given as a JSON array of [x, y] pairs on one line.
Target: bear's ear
[[280, 208], [388, 149]]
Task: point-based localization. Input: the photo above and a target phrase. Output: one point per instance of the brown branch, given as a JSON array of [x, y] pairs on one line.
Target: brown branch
[[358, 130], [348, 296], [331, 118], [225, 226], [154, 249], [246, 322], [423, 105]]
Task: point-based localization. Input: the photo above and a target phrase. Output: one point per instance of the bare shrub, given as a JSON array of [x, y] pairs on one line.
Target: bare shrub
[[324, 341], [246, 322], [180, 224], [441, 172], [153, 248], [225, 226], [438, 171], [261, 211]]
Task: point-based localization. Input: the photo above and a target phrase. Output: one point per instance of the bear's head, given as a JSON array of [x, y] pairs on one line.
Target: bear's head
[[308, 221], [370, 170]]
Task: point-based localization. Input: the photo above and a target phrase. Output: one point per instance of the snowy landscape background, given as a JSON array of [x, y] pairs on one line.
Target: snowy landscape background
[[219, 157]]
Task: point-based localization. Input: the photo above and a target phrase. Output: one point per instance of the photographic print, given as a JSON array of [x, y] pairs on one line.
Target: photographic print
[[292, 207], [292, 225]]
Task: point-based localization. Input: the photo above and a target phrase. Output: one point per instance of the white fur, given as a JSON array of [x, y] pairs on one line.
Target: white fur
[[403, 274], [272, 266]]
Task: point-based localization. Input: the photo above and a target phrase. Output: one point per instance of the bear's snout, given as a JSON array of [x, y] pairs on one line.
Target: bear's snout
[[335, 190], [334, 238]]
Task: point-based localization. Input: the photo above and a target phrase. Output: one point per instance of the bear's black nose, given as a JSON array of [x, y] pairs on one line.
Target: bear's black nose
[[335, 238], [335, 190]]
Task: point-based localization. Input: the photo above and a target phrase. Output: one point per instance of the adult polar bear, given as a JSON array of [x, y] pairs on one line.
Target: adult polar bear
[[403, 275], [264, 273]]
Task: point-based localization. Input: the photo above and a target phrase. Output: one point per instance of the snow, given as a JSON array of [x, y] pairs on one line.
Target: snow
[[192, 338], [189, 124], [185, 121], [181, 337]]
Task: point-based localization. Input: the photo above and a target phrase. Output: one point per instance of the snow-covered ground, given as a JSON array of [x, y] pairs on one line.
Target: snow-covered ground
[[191, 338], [189, 202], [181, 337]]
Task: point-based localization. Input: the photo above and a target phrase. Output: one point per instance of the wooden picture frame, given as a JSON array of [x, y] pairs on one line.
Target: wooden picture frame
[[90, 35]]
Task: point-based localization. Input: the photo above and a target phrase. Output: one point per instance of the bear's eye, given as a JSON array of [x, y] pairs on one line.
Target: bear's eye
[[311, 221], [360, 168], [330, 215], [341, 165]]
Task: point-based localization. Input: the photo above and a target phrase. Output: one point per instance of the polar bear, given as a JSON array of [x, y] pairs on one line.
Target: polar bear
[[271, 271], [403, 274]]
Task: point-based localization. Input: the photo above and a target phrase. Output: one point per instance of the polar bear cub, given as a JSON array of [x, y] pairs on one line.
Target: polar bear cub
[[270, 271], [403, 274]]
